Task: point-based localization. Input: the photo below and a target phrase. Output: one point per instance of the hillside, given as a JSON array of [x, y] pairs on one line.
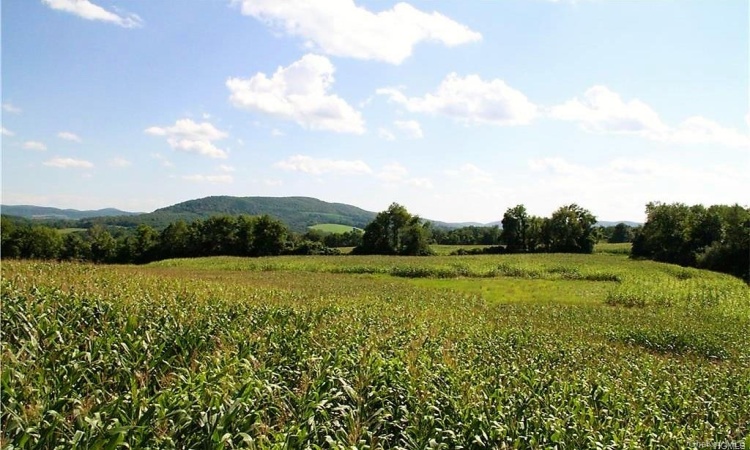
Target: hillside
[[45, 212], [297, 212]]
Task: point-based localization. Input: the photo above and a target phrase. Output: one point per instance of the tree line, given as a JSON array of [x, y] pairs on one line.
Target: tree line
[[218, 235], [715, 238]]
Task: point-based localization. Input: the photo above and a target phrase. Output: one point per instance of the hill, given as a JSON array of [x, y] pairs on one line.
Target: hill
[[333, 228], [45, 212], [296, 212]]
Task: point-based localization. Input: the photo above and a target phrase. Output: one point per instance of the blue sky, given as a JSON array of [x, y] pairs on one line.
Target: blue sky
[[458, 110]]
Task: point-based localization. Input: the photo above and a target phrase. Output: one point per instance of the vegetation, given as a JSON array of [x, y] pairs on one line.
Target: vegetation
[[335, 228], [716, 238], [298, 213], [395, 232], [507, 351]]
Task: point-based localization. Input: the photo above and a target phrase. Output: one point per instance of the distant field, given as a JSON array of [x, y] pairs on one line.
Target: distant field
[[70, 230], [333, 228], [616, 249], [488, 351]]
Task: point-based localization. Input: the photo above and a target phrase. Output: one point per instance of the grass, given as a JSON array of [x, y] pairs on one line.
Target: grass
[[70, 230], [501, 351], [334, 228]]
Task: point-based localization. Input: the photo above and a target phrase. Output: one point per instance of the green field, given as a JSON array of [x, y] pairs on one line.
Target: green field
[[491, 351], [333, 228]]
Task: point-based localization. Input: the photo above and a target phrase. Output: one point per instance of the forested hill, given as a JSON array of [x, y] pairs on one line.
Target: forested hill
[[296, 212], [45, 212]]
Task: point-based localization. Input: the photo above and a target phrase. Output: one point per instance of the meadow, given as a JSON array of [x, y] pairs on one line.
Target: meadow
[[367, 352]]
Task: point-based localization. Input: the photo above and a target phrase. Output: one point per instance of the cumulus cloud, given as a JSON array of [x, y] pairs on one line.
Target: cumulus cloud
[[188, 136], [385, 133], [68, 136], [469, 100], [410, 128], [341, 28], [423, 183], [35, 145], [90, 11], [214, 179], [471, 173], [319, 166], [119, 162], [6, 132], [11, 108], [69, 163], [604, 111], [299, 93], [393, 172], [162, 159]]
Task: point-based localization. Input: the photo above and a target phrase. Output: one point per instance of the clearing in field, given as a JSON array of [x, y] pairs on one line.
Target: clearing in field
[[333, 228], [508, 351]]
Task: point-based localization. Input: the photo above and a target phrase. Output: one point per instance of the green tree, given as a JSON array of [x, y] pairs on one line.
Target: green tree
[[621, 233], [174, 241], [75, 248], [103, 245], [571, 230], [515, 229], [269, 236], [395, 232]]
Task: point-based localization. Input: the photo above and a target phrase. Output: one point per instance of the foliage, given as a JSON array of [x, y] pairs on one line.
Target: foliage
[[395, 232], [294, 352], [716, 238]]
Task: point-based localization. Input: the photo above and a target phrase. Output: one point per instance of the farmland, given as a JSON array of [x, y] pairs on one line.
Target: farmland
[[488, 351], [333, 228]]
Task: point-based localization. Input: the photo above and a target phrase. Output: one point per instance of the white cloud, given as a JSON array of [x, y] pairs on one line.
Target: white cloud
[[471, 173], [6, 132], [35, 145], [215, 179], [699, 130], [68, 136], [423, 183], [600, 187], [603, 111], [276, 132], [557, 166], [186, 135], [393, 173], [90, 11], [119, 162], [410, 128], [162, 159], [341, 28], [319, 166], [470, 99], [225, 168], [298, 93], [11, 108], [65, 163], [386, 134]]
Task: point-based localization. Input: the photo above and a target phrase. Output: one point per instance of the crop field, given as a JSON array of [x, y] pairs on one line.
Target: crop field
[[333, 228], [368, 352]]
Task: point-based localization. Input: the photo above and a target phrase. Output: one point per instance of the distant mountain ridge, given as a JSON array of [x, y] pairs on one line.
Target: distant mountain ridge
[[298, 213], [47, 212]]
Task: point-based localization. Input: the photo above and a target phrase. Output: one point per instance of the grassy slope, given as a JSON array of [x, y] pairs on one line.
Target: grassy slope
[[333, 228], [523, 351]]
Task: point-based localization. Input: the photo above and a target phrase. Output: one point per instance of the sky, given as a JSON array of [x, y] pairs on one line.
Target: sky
[[456, 110]]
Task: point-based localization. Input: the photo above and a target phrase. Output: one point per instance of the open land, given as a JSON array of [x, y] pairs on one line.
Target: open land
[[488, 351]]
